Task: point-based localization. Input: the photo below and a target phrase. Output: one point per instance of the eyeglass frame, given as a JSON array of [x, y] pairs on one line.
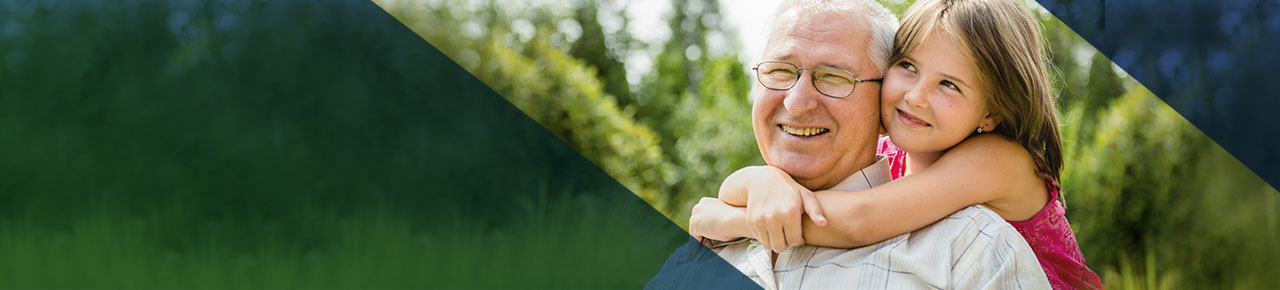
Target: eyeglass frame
[[813, 78]]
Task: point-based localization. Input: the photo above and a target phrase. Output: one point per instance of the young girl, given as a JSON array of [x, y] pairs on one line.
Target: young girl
[[967, 104]]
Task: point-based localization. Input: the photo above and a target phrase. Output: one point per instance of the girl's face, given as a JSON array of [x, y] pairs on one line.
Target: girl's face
[[932, 98]]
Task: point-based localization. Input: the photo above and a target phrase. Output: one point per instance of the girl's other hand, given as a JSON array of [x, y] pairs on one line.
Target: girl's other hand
[[776, 204], [711, 218]]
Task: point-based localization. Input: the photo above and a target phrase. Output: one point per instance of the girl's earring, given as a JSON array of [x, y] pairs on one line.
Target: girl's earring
[[979, 130]]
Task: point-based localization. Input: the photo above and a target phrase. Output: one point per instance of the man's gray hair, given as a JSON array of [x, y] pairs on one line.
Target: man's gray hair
[[882, 23]]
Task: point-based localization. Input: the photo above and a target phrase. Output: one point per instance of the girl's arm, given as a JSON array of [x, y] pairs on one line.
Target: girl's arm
[[724, 218], [733, 190], [716, 220], [984, 169], [774, 205]]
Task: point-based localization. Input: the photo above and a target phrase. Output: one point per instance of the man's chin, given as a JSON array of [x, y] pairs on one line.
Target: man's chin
[[802, 171]]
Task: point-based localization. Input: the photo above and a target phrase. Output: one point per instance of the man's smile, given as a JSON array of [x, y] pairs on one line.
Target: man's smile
[[803, 131]]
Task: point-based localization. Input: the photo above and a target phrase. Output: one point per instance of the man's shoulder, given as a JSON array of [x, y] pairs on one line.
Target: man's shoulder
[[972, 221], [978, 215], [986, 250]]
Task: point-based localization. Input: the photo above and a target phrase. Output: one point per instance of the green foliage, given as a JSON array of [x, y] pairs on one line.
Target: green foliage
[[593, 47], [560, 92], [1155, 203], [678, 75], [582, 115], [1124, 178], [687, 127], [715, 136]]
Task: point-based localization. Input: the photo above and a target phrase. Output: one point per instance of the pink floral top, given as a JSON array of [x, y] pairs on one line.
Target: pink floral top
[[1047, 232]]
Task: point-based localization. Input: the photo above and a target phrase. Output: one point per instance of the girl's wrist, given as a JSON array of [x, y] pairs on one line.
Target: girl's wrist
[[735, 224]]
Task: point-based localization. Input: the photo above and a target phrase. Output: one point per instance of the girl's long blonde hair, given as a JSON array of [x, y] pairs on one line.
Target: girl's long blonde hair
[[1005, 43]]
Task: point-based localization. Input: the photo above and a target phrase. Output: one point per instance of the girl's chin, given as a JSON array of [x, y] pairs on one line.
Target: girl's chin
[[923, 142], [910, 142]]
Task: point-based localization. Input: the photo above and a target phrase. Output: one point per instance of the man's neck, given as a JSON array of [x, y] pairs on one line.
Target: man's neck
[[827, 181]]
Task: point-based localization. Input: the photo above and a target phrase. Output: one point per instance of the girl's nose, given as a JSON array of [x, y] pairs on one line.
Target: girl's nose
[[917, 95]]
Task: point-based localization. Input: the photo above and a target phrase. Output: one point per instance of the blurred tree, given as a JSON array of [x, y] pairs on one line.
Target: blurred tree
[[562, 93], [679, 66], [697, 99], [1125, 177], [715, 134], [585, 117], [602, 52], [1152, 198]]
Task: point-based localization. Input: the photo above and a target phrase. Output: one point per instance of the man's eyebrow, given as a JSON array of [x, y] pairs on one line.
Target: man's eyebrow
[[835, 65], [786, 55]]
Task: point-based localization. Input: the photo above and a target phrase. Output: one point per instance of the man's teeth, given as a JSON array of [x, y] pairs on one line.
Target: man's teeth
[[806, 132]]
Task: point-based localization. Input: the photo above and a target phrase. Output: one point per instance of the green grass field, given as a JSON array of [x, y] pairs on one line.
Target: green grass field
[[558, 244]]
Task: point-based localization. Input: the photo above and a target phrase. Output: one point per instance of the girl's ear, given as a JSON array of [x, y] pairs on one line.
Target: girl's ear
[[989, 123]]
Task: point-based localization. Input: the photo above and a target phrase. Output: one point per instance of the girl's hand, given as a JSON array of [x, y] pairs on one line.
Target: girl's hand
[[714, 219], [776, 204]]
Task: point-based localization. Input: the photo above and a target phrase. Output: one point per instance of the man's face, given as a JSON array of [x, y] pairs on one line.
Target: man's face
[[784, 120]]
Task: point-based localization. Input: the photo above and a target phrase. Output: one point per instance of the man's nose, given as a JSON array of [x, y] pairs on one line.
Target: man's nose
[[802, 98]]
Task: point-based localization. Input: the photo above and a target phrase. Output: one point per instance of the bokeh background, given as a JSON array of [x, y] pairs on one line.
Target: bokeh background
[[662, 106]]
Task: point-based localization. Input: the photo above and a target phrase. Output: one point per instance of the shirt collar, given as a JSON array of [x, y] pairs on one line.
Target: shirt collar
[[868, 177]]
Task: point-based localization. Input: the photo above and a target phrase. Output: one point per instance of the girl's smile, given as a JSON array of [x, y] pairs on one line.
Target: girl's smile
[[911, 120]]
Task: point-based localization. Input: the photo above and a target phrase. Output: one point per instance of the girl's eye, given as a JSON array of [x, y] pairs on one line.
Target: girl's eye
[[908, 67], [950, 85]]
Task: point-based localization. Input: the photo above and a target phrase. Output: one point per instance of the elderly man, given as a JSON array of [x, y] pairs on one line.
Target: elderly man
[[815, 116]]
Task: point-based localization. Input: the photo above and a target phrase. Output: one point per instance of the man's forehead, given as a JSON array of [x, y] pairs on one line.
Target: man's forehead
[[808, 55], [823, 39]]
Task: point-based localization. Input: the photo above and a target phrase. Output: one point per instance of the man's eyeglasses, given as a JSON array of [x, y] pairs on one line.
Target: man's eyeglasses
[[830, 81]]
